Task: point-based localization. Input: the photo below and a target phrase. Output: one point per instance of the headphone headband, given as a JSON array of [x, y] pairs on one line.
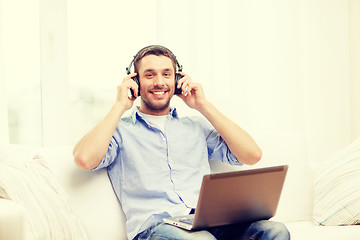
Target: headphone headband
[[179, 67]]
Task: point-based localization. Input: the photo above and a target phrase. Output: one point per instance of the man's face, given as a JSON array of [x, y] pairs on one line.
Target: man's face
[[157, 81]]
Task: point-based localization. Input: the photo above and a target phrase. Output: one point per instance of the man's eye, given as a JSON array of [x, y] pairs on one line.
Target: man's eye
[[149, 75]]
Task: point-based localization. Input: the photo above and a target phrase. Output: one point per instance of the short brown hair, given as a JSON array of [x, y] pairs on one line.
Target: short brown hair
[[154, 50]]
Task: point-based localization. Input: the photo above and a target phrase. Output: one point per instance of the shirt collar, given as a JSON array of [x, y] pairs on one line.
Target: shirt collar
[[135, 115]]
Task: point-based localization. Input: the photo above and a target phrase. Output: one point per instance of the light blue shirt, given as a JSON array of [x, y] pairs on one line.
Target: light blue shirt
[[158, 174]]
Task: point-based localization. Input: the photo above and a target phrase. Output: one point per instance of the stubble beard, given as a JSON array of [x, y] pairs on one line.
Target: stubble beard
[[155, 107]]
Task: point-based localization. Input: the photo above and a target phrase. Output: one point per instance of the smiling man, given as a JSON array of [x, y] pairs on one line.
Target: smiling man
[[156, 159], [158, 85]]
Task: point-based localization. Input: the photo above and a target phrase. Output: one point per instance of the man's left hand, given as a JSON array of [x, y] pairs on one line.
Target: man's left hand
[[192, 92]]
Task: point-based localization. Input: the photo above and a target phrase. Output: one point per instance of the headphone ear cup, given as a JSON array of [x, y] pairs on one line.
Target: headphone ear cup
[[136, 80], [177, 78]]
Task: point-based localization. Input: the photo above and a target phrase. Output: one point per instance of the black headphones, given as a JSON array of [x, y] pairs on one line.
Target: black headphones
[[177, 75]]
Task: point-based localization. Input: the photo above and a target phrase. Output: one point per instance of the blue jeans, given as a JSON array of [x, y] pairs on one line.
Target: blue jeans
[[260, 230]]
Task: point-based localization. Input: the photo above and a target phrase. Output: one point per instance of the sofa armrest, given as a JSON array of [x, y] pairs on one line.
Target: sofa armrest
[[12, 220]]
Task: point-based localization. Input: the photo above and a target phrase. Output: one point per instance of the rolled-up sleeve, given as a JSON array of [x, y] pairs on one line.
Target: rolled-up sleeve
[[217, 148], [110, 154]]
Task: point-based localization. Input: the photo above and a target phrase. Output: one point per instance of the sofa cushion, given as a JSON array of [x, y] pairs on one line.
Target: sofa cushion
[[12, 222], [306, 230], [337, 188], [26, 180]]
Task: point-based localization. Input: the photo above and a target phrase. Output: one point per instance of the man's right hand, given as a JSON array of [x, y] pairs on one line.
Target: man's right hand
[[123, 97]]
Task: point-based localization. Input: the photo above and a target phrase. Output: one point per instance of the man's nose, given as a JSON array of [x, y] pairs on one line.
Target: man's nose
[[159, 80]]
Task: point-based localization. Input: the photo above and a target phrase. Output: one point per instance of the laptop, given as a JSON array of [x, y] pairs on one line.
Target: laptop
[[235, 197]]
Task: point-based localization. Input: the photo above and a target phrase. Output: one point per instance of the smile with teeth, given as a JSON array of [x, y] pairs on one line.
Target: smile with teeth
[[158, 93]]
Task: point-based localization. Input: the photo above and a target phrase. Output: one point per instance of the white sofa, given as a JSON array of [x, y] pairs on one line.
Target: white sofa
[[92, 199]]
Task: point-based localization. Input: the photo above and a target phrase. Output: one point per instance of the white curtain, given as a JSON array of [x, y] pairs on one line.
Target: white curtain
[[271, 66], [354, 27], [4, 130]]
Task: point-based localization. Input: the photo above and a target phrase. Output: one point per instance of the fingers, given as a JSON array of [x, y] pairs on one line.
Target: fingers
[[192, 92], [183, 83], [186, 84], [131, 85], [127, 91], [131, 75]]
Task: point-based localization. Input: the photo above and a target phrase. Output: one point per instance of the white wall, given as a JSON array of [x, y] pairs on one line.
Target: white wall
[[4, 130], [54, 72], [293, 60], [354, 18], [272, 66], [21, 65]]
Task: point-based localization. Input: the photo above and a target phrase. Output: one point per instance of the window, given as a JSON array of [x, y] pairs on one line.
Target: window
[[21, 65]]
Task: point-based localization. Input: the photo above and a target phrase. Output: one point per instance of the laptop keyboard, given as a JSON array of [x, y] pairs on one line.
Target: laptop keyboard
[[188, 220]]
